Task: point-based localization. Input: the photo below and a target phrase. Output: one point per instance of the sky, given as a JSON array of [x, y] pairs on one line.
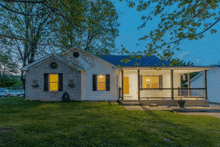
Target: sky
[[203, 52]]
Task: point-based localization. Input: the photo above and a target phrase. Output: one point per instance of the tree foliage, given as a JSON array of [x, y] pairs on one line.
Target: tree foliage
[[96, 23], [32, 28], [178, 20]]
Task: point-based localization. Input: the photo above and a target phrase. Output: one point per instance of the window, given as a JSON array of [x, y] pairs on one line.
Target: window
[[101, 82], [53, 82], [150, 81]]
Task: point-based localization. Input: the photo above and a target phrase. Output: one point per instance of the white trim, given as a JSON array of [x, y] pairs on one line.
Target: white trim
[[47, 58]]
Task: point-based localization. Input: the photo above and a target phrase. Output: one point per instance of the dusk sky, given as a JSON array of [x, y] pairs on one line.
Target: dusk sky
[[203, 52]]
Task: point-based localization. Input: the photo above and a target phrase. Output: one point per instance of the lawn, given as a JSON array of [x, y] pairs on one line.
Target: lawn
[[26, 123]]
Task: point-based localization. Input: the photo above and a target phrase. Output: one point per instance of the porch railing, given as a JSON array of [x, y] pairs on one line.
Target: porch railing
[[171, 93]]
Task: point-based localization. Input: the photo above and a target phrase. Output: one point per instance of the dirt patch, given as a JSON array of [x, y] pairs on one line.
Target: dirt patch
[[6, 130]]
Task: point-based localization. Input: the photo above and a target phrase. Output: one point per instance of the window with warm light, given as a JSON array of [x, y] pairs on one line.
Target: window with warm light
[[53, 82], [101, 82], [150, 81]]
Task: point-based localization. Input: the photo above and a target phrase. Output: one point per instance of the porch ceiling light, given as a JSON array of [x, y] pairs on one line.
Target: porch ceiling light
[[101, 76]]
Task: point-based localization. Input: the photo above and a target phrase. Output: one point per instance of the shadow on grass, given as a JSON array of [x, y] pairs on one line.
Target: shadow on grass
[[102, 124]]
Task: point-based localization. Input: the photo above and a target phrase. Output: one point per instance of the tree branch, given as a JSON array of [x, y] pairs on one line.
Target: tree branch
[[60, 14], [178, 40], [21, 13]]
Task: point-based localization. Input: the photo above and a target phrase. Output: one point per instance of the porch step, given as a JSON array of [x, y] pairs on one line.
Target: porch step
[[130, 103], [153, 105]]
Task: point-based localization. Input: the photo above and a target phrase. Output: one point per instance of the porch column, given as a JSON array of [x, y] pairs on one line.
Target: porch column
[[189, 91], [171, 83], [205, 83], [122, 76], [138, 76]]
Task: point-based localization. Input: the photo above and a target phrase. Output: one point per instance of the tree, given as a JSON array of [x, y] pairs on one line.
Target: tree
[[179, 20], [98, 26], [88, 24], [32, 28]]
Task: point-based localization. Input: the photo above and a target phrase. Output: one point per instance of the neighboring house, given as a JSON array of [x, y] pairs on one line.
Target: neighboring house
[[84, 76], [213, 83]]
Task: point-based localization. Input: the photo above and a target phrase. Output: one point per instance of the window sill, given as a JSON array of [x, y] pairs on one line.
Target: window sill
[[53, 91]]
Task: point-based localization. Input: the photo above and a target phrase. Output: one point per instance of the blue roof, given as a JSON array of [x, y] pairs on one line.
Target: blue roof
[[217, 65], [143, 61]]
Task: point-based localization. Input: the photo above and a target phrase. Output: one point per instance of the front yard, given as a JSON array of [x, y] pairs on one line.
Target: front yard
[[25, 123]]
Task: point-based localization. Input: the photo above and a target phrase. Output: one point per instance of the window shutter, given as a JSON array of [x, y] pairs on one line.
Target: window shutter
[[141, 82], [60, 80], [107, 84], [160, 81], [46, 82], [94, 80]]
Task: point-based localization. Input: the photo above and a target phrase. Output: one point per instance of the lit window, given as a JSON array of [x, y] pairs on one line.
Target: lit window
[[151, 82], [101, 82], [53, 82]]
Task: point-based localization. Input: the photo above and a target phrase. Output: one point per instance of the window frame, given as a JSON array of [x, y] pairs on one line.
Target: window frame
[[53, 82], [101, 82], [151, 80]]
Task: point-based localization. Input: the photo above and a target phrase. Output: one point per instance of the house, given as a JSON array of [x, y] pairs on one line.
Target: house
[[213, 83], [79, 75]]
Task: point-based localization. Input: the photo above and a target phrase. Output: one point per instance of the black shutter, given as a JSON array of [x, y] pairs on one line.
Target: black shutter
[[46, 82], [60, 82], [141, 81], [160, 81], [94, 81], [107, 83]]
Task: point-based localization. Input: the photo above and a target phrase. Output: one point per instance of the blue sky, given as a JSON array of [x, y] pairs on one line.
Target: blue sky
[[202, 52]]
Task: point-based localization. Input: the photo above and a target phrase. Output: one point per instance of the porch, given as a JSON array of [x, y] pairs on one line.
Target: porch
[[147, 86]]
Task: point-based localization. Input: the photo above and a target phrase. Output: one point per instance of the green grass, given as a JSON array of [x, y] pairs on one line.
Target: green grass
[[26, 123]]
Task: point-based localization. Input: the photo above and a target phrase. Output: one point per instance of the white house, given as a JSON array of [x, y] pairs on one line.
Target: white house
[[213, 83], [79, 75]]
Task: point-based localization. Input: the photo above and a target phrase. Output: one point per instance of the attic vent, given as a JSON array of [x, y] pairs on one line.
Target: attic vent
[[53, 65], [76, 54]]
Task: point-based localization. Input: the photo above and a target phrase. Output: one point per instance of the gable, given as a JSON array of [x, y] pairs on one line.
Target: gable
[[49, 57], [85, 59]]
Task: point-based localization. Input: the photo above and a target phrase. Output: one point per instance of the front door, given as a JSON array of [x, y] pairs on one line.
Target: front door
[[126, 85]]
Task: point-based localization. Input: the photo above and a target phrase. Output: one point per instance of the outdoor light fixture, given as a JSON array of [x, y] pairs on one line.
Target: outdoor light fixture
[[184, 77]]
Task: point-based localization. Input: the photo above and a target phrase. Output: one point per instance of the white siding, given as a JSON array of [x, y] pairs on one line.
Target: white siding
[[95, 66], [213, 84], [133, 84]]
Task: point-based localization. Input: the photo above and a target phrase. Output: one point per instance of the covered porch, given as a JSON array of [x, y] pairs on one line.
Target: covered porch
[[161, 86]]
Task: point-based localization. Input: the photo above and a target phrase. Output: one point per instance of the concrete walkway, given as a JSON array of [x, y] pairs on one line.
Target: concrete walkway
[[212, 110]]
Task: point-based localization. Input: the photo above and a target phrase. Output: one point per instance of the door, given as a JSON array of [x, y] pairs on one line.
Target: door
[[126, 85]]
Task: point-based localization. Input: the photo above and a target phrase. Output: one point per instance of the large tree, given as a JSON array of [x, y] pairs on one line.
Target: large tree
[[33, 28], [96, 23], [178, 20]]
